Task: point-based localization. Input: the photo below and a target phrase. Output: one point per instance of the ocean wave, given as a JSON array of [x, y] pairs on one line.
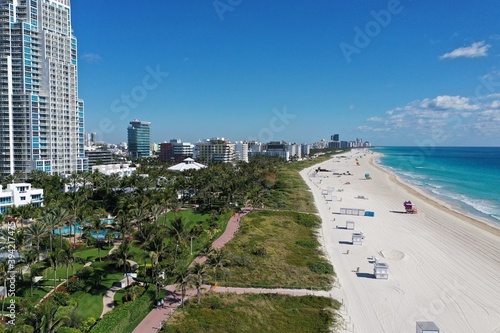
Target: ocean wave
[[434, 185], [413, 175], [481, 205]]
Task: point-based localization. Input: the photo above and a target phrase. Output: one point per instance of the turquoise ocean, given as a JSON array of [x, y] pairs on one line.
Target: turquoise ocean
[[467, 178]]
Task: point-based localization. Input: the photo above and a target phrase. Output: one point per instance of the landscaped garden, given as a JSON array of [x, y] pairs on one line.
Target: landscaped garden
[[65, 266]]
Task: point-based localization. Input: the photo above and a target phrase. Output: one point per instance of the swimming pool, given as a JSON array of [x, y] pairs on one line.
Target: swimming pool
[[70, 230]]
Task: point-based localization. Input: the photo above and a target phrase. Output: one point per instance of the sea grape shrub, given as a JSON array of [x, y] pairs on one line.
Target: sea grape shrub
[[321, 268], [61, 298], [260, 251], [75, 285], [84, 272]]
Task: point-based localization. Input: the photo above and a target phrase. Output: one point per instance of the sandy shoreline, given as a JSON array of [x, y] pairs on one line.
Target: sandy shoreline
[[486, 225], [443, 266]]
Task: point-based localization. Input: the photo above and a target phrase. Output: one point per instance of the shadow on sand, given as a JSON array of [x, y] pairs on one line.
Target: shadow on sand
[[365, 275]]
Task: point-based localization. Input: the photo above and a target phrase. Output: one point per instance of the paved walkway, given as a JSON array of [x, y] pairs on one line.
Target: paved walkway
[[156, 318], [108, 301]]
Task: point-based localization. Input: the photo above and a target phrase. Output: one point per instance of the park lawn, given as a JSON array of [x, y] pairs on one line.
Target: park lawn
[[279, 250], [89, 304], [92, 254], [263, 313], [48, 273], [188, 214]]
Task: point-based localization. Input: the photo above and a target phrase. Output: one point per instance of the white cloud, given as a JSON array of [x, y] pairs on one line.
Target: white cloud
[[448, 103], [91, 57], [495, 105], [451, 115], [478, 49]]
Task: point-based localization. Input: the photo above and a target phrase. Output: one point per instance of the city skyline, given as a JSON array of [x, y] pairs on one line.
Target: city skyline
[[394, 72]]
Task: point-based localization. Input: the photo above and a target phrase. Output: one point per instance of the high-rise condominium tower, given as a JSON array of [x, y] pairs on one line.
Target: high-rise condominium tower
[[139, 139], [41, 116]]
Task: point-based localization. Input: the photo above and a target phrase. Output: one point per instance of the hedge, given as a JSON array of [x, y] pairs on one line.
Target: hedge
[[125, 315]]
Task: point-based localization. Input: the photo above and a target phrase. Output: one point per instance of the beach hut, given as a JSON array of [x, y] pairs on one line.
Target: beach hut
[[370, 214], [352, 211], [349, 225], [381, 270], [357, 238], [427, 327], [328, 198]]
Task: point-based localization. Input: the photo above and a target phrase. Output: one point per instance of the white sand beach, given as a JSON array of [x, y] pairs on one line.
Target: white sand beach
[[443, 267]]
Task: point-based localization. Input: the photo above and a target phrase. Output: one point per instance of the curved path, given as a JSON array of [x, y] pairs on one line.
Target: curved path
[[108, 301], [155, 320]]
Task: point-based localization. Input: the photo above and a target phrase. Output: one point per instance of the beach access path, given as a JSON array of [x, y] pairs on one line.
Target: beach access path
[[157, 317], [442, 267]]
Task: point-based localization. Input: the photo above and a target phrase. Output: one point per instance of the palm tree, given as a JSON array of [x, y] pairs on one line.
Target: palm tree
[[54, 259], [67, 258], [50, 221], [198, 273], [29, 258], [50, 322], [178, 230], [217, 259], [97, 227], [156, 210], [123, 254], [62, 217], [183, 281], [37, 231]]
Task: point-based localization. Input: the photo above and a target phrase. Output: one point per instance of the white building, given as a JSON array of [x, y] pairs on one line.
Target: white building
[[187, 164], [122, 170], [41, 115], [241, 151], [20, 194], [215, 150]]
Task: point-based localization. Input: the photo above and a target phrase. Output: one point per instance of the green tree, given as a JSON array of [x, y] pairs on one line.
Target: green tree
[[183, 281], [123, 254], [198, 274], [36, 232]]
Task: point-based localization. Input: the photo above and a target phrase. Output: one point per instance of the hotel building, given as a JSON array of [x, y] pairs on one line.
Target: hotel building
[[139, 139], [41, 115]]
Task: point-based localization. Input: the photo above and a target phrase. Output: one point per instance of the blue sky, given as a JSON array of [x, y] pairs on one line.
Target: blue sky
[[391, 72]]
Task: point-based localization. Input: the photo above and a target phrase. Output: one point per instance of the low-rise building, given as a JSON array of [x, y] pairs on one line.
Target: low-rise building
[[20, 194]]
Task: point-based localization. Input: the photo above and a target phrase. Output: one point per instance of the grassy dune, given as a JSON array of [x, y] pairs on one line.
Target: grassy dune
[[277, 249], [263, 313]]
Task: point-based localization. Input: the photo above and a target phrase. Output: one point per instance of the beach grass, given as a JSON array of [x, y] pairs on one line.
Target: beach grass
[[263, 313], [290, 191], [277, 250]]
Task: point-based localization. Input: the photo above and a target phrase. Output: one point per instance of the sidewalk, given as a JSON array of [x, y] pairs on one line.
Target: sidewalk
[[155, 319]]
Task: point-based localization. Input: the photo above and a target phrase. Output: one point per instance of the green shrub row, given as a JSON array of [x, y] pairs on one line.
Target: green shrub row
[[124, 316]]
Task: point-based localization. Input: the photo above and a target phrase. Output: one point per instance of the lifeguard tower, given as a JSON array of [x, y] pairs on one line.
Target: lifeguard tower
[[410, 208]]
